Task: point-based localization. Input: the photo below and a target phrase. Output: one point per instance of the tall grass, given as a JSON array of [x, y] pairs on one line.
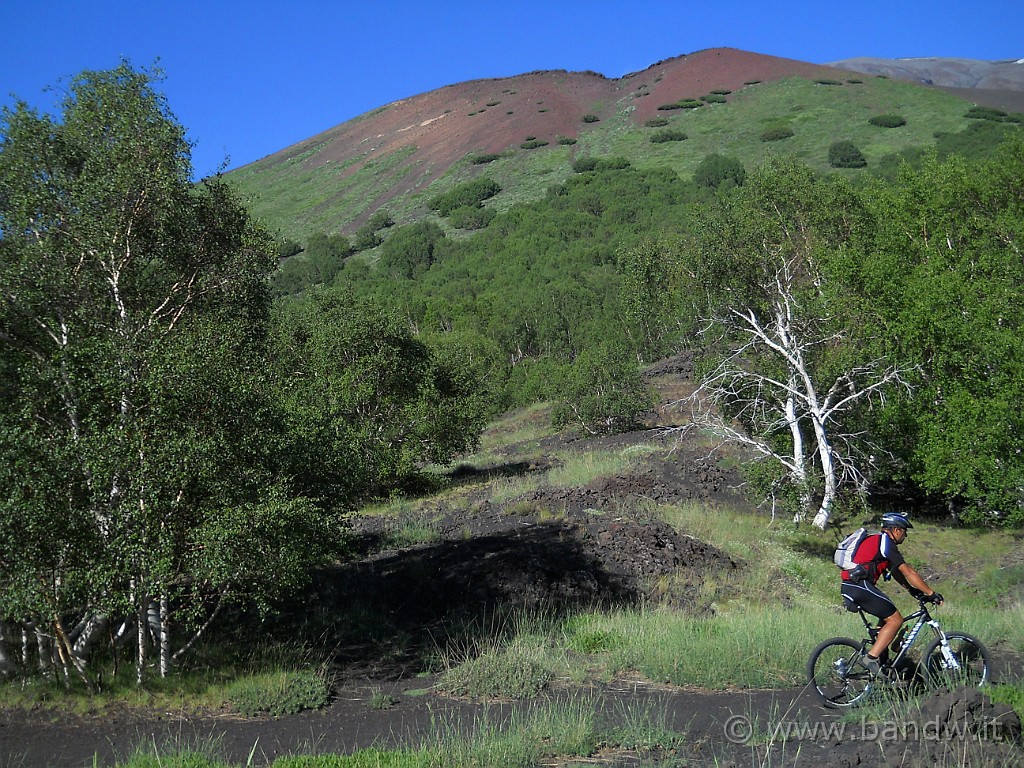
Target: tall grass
[[758, 649]]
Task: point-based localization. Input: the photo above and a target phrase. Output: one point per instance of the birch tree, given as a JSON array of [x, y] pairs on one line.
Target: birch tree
[[787, 373], [131, 308]]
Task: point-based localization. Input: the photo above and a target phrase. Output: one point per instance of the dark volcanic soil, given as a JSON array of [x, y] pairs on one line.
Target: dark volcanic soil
[[552, 549]]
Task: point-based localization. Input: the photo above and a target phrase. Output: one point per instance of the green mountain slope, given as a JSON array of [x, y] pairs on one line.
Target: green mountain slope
[[333, 182]]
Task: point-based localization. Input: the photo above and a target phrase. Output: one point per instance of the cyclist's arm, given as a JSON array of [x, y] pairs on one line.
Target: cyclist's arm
[[911, 579]]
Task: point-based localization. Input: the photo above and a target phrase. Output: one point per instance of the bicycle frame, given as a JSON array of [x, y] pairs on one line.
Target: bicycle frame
[[923, 617]]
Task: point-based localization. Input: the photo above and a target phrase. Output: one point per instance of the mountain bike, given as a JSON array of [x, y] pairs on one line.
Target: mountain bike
[[952, 659]]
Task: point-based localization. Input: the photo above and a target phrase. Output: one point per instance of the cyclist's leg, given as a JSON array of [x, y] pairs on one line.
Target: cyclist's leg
[[874, 601]]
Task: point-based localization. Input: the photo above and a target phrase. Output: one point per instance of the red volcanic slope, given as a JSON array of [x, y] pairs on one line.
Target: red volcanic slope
[[492, 115]]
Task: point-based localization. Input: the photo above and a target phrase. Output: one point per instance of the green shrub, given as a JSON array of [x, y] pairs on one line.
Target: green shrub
[[888, 121], [751, 82], [471, 193], [567, 141], [585, 164], [986, 113], [533, 144], [493, 103], [844, 154], [827, 81], [411, 249], [471, 217], [776, 133], [514, 673], [603, 392], [381, 701], [854, 81], [279, 693], [287, 247], [589, 118], [380, 220], [483, 159], [716, 170], [683, 104], [366, 237], [721, 92], [714, 98], [657, 122], [670, 135]]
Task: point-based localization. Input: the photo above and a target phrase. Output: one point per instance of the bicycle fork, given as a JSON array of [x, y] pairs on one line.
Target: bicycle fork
[[949, 660]]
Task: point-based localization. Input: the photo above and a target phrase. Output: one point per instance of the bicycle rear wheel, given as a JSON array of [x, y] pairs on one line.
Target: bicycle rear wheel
[[835, 676], [972, 668]]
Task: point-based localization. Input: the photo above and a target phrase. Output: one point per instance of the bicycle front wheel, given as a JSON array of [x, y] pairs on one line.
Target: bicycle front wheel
[[835, 676], [967, 663]]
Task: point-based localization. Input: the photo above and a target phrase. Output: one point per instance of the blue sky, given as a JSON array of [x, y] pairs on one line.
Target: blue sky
[[249, 78]]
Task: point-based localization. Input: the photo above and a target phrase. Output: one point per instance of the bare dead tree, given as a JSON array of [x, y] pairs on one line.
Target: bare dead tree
[[797, 405]]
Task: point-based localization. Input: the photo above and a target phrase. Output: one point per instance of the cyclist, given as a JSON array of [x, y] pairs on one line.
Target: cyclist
[[876, 556]]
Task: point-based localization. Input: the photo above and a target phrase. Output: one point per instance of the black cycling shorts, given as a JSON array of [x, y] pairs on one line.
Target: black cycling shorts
[[869, 598]]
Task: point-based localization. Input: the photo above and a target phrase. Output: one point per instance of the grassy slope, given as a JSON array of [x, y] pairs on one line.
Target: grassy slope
[[296, 202], [760, 622]]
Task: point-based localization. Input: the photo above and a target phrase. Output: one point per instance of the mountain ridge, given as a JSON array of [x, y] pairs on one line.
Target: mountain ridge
[[688, 75], [998, 83], [393, 155]]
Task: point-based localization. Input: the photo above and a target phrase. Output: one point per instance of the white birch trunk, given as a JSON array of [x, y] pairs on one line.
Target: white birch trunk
[[165, 636], [798, 472], [7, 666], [44, 651], [140, 658], [828, 472]]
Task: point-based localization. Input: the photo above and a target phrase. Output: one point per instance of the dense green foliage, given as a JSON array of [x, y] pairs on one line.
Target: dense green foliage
[[603, 391], [669, 134], [541, 281], [134, 431], [776, 133], [279, 693], [472, 193], [365, 401], [845, 154], [716, 170], [162, 429], [888, 121], [986, 113], [944, 281], [599, 263]]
